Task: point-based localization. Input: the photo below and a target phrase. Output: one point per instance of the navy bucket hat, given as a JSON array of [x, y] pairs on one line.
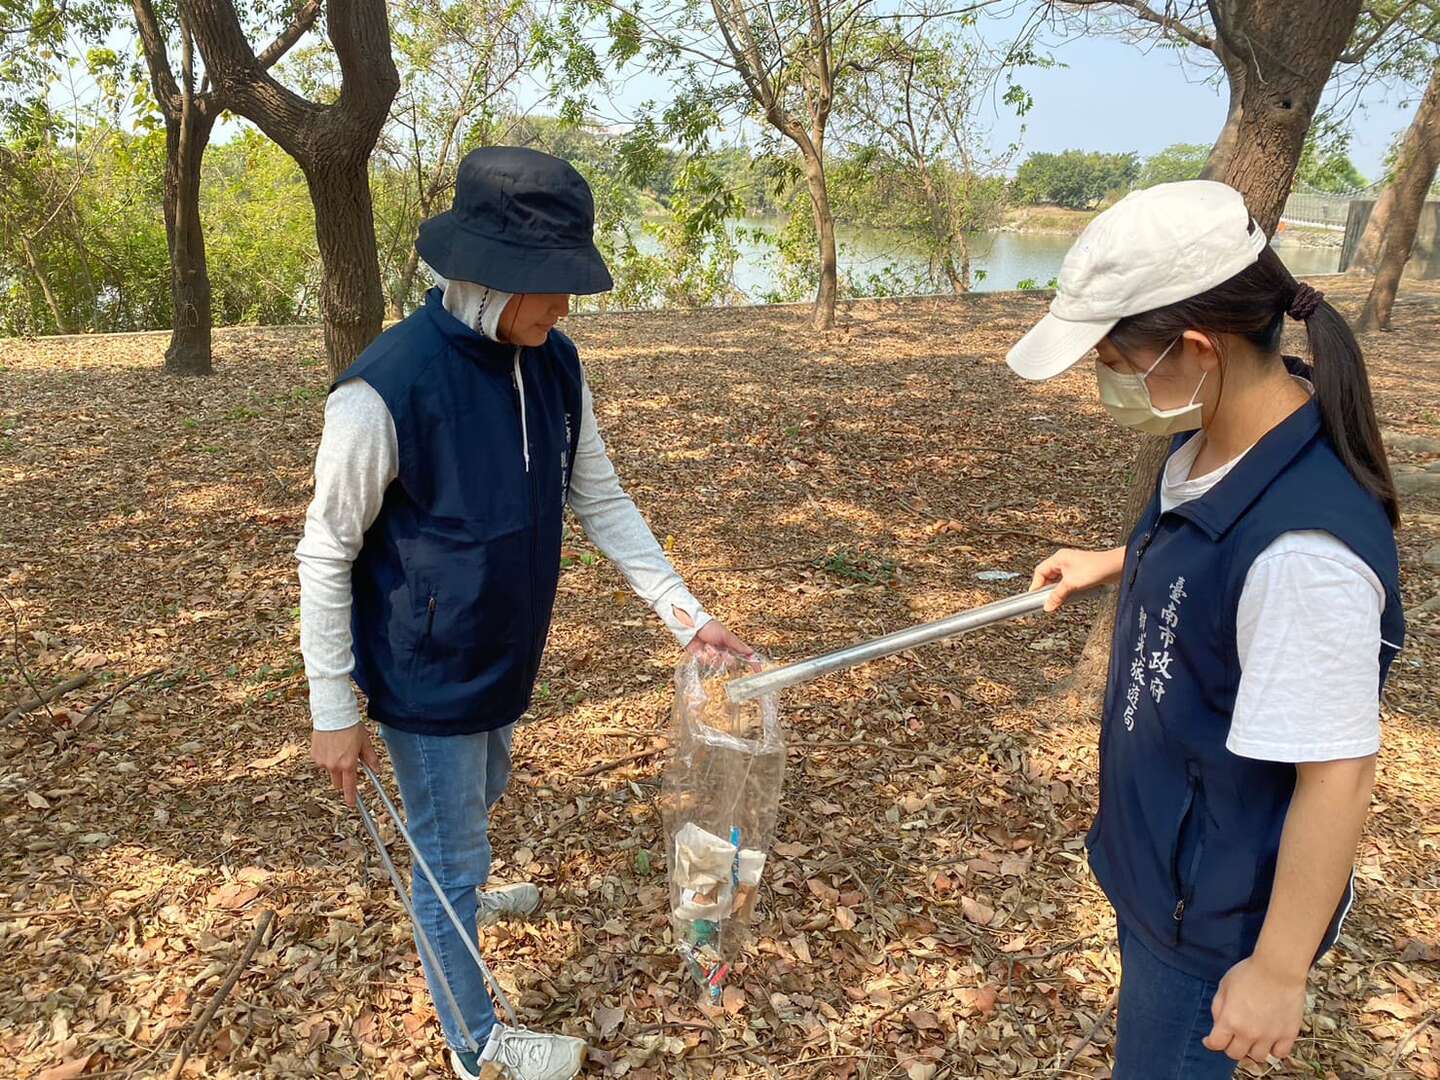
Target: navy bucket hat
[[522, 222]]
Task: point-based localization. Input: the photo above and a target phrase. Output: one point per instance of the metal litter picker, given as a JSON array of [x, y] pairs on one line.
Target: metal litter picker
[[769, 682], [497, 992], [721, 790]]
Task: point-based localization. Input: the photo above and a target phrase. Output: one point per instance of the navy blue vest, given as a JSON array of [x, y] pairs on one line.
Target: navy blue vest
[[1186, 835], [455, 582]]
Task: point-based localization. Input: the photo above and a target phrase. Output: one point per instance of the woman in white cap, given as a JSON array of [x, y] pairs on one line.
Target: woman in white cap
[[1258, 614]]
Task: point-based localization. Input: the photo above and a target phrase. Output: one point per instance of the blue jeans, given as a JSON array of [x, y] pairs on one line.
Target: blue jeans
[[448, 783], [1163, 1017]]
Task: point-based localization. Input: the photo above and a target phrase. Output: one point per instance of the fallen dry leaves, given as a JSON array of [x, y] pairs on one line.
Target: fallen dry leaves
[[928, 913]]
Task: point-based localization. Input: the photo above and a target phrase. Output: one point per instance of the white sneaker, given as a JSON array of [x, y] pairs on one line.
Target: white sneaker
[[462, 1065], [505, 902], [526, 1055]]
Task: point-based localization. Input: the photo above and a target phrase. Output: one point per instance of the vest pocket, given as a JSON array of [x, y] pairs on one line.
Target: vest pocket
[[1187, 850], [466, 626], [427, 631]]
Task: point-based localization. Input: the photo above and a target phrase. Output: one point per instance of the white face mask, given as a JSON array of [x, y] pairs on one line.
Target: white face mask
[[1127, 398]]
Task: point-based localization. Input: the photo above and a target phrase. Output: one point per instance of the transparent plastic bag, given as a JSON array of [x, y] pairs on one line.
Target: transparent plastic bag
[[719, 802]]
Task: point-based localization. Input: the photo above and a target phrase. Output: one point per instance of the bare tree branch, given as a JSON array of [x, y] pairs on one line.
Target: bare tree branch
[[1360, 49], [286, 39], [1166, 20], [40, 25], [157, 58]]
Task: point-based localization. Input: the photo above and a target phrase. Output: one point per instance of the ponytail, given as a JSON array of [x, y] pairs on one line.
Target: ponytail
[[1253, 305], [1342, 390]]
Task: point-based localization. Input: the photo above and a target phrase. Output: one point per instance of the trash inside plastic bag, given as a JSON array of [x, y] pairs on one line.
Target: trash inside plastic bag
[[720, 800]]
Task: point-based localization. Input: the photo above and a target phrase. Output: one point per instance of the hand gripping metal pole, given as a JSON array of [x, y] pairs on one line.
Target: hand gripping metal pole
[[768, 682], [466, 935]]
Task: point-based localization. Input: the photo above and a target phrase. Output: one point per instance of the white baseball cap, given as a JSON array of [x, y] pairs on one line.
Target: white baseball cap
[[1154, 247]]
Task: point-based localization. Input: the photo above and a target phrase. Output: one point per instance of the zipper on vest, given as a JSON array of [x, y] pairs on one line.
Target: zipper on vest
[[1184, 885], [519, 378], [430, 616], [1140, 551], [520, 391]]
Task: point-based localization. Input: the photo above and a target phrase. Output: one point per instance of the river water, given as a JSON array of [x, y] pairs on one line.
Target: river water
[[1006, 258]]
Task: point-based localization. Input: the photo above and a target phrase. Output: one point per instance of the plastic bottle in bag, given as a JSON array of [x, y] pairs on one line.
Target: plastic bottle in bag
[[719, 802]]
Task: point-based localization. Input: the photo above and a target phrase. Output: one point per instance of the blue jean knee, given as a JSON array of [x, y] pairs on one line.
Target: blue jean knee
[[1162, 1019], [448, 783]]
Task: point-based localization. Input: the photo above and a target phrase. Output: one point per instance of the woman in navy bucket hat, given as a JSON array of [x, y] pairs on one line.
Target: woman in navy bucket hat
[[522, 222], [1258, 614], [431, 552]]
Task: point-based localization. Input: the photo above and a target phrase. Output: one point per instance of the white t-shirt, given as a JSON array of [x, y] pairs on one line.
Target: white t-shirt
[[1308, 634]]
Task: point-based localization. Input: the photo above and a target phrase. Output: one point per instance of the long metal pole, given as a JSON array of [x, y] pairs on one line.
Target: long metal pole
[[768, 682]]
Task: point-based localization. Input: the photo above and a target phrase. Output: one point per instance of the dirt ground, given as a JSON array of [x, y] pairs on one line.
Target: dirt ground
[[928, 912]]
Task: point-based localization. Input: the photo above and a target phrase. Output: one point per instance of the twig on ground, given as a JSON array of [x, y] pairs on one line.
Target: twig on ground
[[40, 699], [814, 1060], [650, 1029], [1056, 541], [108, 698], [1065, 946], [44, 697], [236, 969], [743, 1051], [1064, 1066], [905, 1003], [859, 744], [136, 1066], [758, 566], [1404, 1044], [618, 733], [628, 759]]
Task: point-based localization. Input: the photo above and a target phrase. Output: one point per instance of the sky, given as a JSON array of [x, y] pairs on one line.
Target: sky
[[1107, 94], [1117, 96], [1114, 96]]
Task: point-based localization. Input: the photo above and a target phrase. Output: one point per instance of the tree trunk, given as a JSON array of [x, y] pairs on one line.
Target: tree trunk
[[1288, 49], [825, 232], [189, 120], [189, 350], [1367, 252], [74, 230], [330, 142], [952, 274], [429, 194], [350, 295], [37, 271], [401, 295], [1224, 148], [1413, 177]]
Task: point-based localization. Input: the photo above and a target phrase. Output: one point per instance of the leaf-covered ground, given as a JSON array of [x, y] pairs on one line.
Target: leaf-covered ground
[[928, 912]]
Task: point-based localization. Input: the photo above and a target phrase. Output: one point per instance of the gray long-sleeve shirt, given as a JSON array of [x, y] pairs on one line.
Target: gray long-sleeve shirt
[[358, 459]]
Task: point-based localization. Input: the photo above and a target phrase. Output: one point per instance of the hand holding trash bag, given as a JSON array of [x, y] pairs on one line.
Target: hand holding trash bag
[[714, 636]]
